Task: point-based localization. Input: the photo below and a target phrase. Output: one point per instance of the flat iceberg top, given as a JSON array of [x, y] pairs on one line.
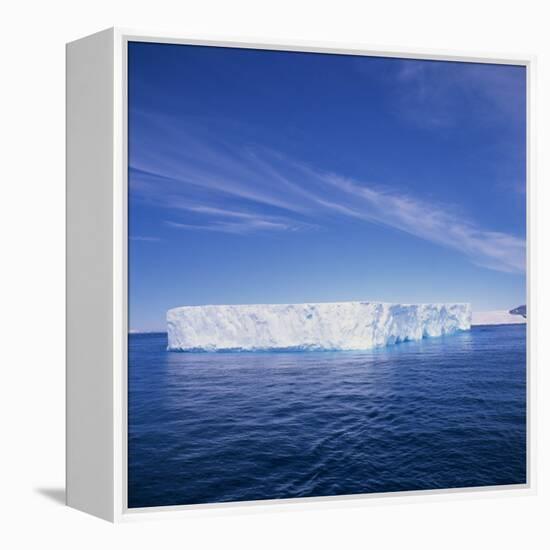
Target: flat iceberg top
[[314, 326]]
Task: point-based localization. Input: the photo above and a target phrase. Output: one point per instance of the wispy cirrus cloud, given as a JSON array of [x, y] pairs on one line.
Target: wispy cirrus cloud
[[238, 222], [143, 239], [434, 94], [431, 222], [208, 184], [251, 225], [439, 95]]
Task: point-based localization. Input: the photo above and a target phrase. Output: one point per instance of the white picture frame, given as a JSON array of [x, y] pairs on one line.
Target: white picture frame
[[97, 324]]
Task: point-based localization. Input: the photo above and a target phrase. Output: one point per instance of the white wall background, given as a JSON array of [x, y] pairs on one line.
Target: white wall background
[[32, 39]]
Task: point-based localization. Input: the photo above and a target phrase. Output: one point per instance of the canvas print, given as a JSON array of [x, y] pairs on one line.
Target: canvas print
[[327, 275]]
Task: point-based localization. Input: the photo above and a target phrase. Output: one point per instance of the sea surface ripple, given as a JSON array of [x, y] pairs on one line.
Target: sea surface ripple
[[216, 427]]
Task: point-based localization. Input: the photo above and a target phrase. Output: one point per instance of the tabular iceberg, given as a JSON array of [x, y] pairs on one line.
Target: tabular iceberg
[[322, 326]]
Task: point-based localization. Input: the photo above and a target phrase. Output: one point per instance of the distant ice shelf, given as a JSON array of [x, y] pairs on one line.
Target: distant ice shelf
[[315, 326], [499, 317]]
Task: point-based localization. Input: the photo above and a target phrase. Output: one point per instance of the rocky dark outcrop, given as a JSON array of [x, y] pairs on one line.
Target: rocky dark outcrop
[[520, 310]]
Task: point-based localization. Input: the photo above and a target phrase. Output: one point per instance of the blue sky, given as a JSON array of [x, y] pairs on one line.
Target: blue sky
[[280, 177]]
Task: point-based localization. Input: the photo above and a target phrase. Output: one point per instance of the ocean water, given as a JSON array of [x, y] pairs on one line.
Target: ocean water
[[440, 413]]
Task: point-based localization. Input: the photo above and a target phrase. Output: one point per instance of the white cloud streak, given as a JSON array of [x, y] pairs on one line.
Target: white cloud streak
[[430, 222], [225, 188], [144, 239]]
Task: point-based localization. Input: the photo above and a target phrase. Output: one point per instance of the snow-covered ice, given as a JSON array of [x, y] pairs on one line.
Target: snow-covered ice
[[321, 326], [498, 317]]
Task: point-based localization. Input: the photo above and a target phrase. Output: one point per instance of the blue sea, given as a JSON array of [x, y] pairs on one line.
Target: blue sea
[[217, 427]]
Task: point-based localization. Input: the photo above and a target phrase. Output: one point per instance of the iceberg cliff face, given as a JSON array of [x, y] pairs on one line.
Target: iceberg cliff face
[[323, 326]]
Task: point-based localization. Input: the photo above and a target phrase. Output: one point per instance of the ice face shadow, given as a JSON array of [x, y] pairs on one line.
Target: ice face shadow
[[56, 494]]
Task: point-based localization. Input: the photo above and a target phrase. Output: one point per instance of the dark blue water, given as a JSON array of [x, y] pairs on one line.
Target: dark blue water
[[440, 413]]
